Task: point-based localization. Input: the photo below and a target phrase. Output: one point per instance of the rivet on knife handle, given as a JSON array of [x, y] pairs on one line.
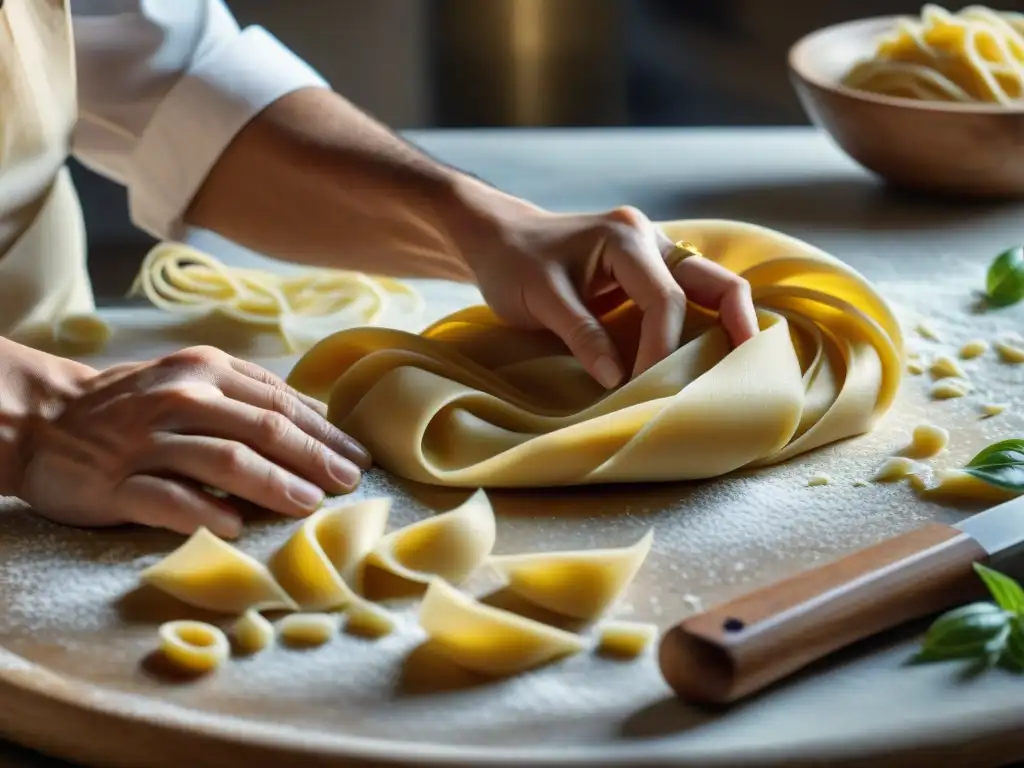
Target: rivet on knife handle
[[736, 649]]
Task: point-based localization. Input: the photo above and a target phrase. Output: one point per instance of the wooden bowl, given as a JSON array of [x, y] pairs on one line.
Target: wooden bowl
[[951, 148]]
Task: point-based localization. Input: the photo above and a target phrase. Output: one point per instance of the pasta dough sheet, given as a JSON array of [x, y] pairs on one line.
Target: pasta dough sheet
[[472, 402]]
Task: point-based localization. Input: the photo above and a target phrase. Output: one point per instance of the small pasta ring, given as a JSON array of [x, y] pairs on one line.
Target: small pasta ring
[[680, 252]]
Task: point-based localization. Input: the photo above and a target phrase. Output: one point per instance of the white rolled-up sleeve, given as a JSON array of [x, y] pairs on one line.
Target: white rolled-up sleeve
[[163, 88]]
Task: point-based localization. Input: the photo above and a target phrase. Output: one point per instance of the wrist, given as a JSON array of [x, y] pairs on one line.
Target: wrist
[[34, 388], [480, 220]]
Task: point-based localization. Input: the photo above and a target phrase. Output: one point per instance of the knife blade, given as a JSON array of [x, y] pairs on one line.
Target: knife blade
[[742, 646]]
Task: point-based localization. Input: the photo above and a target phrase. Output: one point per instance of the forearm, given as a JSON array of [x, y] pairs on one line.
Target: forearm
[[33, 386], [314, 180]]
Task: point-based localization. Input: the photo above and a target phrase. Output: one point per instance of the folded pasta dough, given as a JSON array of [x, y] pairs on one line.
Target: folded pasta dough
[[472, 402], [580, 584], [316, 565], [489, 640], [451, 545], [209, 573]]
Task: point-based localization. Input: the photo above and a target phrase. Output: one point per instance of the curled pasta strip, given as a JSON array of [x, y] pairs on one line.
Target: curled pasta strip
[[302, 308], [193, 647]]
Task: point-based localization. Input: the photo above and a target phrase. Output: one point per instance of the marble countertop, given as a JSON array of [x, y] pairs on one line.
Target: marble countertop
[[792, 179]]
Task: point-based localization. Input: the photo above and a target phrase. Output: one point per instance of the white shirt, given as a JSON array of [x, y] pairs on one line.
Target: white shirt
[[163, 88]]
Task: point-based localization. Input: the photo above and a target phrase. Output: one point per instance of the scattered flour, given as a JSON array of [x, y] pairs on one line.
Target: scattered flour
[[59, 604]]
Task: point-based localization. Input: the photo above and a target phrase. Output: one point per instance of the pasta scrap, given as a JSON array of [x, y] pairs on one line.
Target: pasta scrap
[[451, 545], [488, 640], [209, 573], [957, 484], [193, 647], [578, 584], [318, 561], [89, 330], [366, 619], [927, 440], [308, 629], [252, 632], [625, 639], [896, 468]]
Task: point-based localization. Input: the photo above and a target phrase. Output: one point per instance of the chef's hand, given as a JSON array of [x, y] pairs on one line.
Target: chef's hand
[[141, 443], [548, 270]]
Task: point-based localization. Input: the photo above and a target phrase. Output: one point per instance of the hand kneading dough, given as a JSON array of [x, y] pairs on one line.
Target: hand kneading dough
[[209, 573], [193, 646], [451, 545], [471, 402], [579, 584], [315, 565], [489, 640]]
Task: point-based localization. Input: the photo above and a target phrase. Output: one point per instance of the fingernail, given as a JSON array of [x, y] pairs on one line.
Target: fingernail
[[344, 444], [342, 470], [608, 373], [229, 528], [306, 495], [359, 455]]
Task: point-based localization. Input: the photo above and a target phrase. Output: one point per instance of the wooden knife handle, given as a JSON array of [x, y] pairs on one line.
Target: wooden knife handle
[[738, 648]]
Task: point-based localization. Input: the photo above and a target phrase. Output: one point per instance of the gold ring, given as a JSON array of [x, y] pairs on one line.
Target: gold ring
[[680, 252]]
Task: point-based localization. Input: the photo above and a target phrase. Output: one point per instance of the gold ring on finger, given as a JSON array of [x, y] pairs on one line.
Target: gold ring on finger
[[680, 252]]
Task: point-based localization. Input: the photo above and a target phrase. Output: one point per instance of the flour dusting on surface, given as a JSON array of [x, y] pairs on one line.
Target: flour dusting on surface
[[67, 600]]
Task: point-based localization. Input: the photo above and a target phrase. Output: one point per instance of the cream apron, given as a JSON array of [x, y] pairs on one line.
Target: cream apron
[[43, 273]]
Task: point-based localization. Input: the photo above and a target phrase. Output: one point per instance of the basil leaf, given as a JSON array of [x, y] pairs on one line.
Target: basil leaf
[[1008, 594], [1012, 657], [1004, 450], [1004, 283], [1001, 465], [970, 631]]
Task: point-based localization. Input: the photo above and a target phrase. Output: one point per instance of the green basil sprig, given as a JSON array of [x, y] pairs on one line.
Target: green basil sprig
[[1001, 465], [1004, 283], [991, 633]]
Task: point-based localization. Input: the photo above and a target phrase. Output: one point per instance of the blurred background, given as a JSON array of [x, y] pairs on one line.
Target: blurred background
[[419, 64]]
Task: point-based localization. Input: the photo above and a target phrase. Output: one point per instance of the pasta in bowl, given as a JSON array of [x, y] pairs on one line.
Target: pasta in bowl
[[472, 402], [933, 102]]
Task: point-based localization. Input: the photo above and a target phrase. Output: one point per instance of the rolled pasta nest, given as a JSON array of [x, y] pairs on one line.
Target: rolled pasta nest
[[974, 55], [473, 402], [302, 307]]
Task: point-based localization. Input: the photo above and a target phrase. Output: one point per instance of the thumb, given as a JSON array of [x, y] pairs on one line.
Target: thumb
[[556, 304]]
